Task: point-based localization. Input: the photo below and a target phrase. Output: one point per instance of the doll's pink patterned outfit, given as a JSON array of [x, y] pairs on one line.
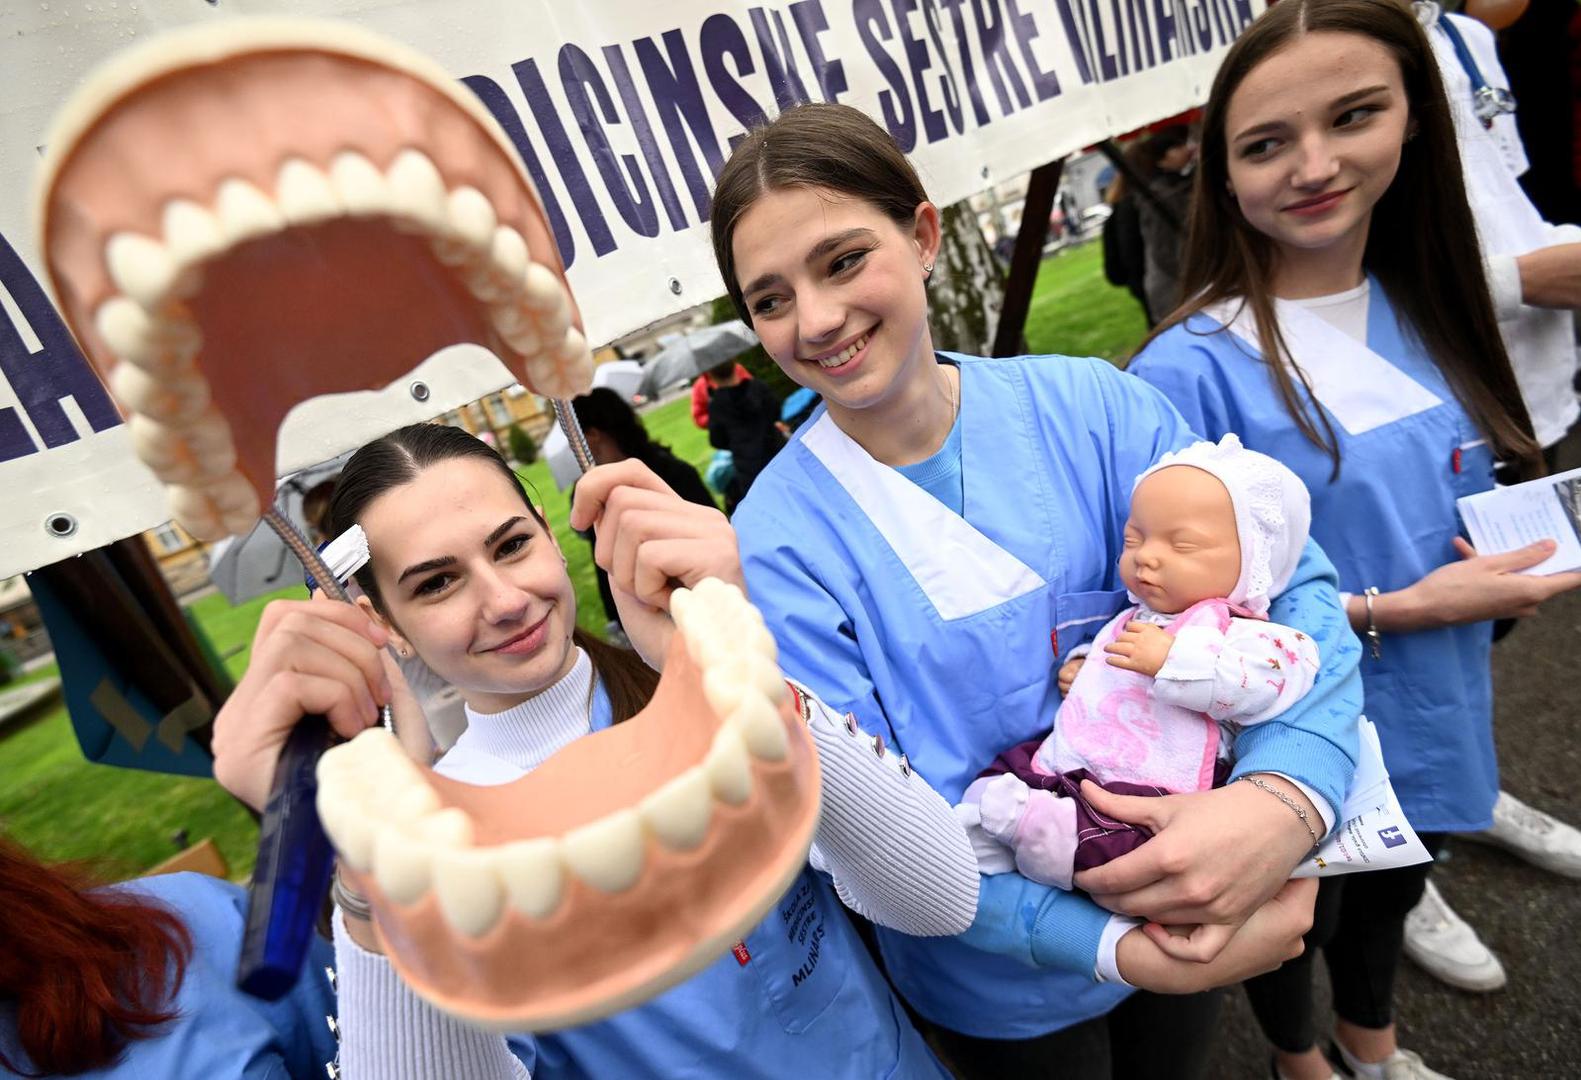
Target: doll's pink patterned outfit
[[1170, 733]]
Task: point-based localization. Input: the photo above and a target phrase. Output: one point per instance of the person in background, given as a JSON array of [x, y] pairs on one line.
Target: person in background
[[703, 392], [1339, 321], [1534, 275], [615, 432], [1124, 252], [1168, 160], [744, 418], [138, 980]]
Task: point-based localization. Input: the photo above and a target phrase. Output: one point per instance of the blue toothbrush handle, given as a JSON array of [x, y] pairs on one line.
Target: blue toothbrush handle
[[291, 879]]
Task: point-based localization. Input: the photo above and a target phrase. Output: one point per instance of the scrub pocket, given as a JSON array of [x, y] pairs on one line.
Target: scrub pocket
[[800, 952], [1079, 616]]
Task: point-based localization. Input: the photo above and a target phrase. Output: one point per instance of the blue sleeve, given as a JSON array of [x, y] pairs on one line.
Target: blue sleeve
[[1037, 924], [1314, 741], [818, 647]]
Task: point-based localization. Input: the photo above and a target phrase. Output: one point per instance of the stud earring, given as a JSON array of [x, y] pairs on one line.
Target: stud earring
[[927, 269]]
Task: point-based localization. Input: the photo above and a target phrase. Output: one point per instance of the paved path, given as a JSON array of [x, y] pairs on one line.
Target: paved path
[[1532, 1028]]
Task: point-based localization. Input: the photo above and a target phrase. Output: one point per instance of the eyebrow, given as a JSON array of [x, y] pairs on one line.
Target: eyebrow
[[1338, 103], [450, 560], [819, 250]]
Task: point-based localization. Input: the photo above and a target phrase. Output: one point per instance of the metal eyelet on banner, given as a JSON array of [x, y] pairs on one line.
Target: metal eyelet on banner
[[878, 745], [905, 765], [850, 723]]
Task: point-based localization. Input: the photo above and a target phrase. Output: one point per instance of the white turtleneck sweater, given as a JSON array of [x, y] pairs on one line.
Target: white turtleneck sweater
[[893, 847]]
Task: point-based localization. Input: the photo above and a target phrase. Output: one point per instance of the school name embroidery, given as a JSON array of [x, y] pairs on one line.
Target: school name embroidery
[[804, 926]]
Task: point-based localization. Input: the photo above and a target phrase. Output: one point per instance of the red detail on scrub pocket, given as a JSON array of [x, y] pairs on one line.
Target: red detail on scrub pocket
[[1054, 642], [1454, 460], [740, 950]]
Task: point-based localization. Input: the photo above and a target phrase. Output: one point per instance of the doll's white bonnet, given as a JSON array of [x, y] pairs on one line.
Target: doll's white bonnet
[[1272, 514]]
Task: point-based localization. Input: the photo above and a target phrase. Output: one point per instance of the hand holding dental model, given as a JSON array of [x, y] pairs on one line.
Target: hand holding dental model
[[1215, 532]]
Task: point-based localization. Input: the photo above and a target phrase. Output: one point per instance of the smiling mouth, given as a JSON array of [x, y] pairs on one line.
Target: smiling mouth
[[1320, 202], [525, 642], [845, 355], [246, 215]]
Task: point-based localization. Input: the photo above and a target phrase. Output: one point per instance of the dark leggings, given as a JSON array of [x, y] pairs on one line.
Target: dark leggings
[[1359, 923], [1158, 1036]]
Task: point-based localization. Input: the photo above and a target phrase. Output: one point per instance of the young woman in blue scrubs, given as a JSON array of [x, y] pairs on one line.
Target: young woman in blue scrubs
[[929, 547], [1340, 323], [480, 565]]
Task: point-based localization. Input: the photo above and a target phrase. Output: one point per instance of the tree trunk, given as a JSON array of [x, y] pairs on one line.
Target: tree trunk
[[967, 288]]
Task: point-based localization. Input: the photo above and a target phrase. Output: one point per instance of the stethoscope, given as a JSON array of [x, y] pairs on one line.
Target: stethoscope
[[1488, 103]]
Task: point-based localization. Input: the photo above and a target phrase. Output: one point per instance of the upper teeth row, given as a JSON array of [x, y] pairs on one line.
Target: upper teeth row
[[844, 354], [383, 817], [155, 339]]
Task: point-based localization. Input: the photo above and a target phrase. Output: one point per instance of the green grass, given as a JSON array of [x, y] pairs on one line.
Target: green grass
[[1075, 312], [63, 808]]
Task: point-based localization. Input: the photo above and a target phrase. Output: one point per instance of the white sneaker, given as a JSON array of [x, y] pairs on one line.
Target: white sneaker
[[1534, 836], [1447, 948], [1401, 1065]]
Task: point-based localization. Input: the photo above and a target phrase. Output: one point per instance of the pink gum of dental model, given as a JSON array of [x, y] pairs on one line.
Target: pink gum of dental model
[[597, 951]]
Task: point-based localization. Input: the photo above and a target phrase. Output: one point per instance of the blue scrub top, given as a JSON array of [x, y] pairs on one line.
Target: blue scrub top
[[943, 631], [221, 1033], [800, 994], [1386, 521]]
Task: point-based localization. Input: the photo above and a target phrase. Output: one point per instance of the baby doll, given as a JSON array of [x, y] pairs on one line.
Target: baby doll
[[1215, 531]]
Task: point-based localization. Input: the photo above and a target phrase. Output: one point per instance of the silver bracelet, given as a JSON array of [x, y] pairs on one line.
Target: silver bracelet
[[1288, 801], [349, 900]]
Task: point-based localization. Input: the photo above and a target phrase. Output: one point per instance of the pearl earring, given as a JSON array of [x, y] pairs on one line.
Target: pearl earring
[[927, 269]]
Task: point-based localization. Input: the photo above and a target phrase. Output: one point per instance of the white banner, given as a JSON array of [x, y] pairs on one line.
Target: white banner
[[624, 110]]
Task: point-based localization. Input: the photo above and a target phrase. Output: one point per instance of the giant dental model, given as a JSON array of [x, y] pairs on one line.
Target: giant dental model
[[238, 218]]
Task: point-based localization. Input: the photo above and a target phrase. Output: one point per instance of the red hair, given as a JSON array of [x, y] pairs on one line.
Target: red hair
[[88, 969]]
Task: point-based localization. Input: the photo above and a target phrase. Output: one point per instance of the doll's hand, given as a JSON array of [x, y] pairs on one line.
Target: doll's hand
[[1067, 672], [1141, 646]]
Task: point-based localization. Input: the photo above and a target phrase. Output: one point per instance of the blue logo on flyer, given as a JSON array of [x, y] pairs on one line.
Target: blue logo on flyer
[[1391, 836]]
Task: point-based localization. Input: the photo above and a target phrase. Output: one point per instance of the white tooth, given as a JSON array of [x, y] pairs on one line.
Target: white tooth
[[359, 184], [509, 252], [678, 813], [141, 268], [304, 194], [573, 347], [153, 342], [208, 444], [472, 217], [608, 853], [192, 234], [726, 686], [237, 522], [525, 341], [541, 288], [175, 398], [450, 251], [554, 323], [510, 320], [232, 494], [402, 866], [481, 283], [543, 375], [681, 601], [192, 510], [349, 829], [448, 828], [412, 801], [470, 894], [245, 212], [728, 767], [530, 871], [761, 728], [417, 191]]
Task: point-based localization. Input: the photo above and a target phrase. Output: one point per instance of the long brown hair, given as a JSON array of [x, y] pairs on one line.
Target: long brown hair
[[87, 970], [397, 458], [834, 147], [1421, 245]]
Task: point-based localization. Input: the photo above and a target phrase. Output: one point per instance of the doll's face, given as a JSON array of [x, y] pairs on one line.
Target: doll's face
[[1181, 544]]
